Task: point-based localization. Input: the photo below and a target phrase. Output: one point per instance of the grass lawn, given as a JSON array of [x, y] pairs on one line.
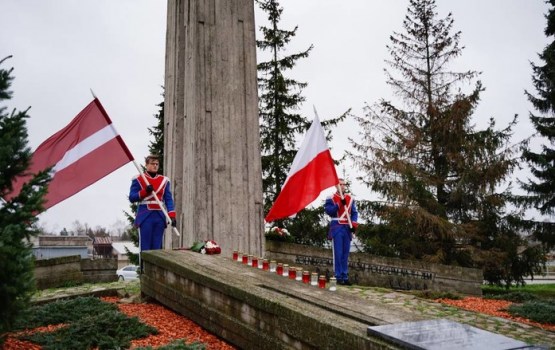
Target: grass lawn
[[543, 291]]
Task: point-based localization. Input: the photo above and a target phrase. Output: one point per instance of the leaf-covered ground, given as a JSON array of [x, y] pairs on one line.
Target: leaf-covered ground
[[171, 326]]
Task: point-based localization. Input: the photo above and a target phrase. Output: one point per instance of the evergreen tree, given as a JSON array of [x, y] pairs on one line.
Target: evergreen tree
[[541, 192], [438, 175], [156, 146], [17, 216], [280, 97]]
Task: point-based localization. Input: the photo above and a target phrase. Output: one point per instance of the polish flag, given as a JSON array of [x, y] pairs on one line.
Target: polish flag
[[312, 172], [80, 154]]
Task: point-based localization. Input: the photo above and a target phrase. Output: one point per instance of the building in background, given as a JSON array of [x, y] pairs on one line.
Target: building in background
[[48, 247], [119, 250]]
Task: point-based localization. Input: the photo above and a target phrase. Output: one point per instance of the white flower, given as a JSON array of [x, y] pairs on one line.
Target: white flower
[[203, 251]]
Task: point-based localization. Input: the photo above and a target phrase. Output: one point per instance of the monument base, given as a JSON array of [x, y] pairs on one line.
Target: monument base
[[256, 309]]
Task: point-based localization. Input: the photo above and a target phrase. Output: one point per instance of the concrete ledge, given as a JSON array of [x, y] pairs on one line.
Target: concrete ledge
[[255, 309]]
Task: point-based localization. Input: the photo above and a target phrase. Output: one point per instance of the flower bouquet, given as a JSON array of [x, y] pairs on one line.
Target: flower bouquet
[[206, 247], [278, 234]]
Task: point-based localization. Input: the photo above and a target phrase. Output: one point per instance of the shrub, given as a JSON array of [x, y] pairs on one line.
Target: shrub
[[539, 311], [88, 323], [515, 297]]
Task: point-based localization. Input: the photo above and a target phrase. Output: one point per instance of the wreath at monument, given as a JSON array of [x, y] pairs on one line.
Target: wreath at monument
[[207, 247]]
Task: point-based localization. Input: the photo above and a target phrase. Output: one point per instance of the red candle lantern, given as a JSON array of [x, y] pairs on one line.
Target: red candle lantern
[[306, 277], [279, 269], [254, 262], [322, 282], [292, 273]]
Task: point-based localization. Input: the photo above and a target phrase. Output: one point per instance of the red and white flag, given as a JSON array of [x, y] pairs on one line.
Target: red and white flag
[[312, 172], [83, 152]]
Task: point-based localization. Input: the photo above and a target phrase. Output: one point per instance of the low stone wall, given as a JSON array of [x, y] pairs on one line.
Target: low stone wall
[[61, 271], [58, 272], [256, 309], [371, 270], [99, 270]]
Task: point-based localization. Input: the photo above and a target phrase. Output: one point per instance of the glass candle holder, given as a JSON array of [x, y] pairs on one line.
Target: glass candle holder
[[299, 275], [322, 282], [285, 270], [265, 265], [306, 277], [249, 261], [313, 279], [333, 284], [279, 269], [245, 258], [255, 262], [235, 255], [260, 262], [292, 273], [273, 266]]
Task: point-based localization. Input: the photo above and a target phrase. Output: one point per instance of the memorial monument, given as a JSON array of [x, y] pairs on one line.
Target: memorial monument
[[212, 150]]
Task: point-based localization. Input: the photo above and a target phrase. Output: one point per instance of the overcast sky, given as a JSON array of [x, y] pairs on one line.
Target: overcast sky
[[61, 49]]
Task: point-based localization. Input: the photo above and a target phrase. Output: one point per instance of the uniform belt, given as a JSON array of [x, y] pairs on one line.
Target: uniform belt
[[149, 202]]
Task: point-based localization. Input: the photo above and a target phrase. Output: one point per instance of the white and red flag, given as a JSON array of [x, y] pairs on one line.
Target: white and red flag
[[312, 172], [80, 154]]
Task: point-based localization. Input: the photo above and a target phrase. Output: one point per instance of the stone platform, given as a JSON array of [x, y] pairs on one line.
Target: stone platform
[[255, 309]]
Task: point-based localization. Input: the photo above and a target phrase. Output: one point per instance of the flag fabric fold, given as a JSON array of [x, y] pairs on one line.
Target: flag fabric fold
[[83, 152], [312, 172]]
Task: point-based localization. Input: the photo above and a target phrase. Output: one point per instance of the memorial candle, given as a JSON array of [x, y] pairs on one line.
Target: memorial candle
[[306, 277], [322, 282]]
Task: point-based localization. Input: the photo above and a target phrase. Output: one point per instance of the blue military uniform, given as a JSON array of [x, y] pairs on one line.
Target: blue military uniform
[[340, 232], [150, 219]]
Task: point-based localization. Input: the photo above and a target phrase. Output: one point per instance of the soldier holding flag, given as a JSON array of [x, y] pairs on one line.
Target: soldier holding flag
[[151, 218], [342, 209]]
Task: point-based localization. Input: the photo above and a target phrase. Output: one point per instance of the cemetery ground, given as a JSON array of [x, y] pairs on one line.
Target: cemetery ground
[[161, 328]]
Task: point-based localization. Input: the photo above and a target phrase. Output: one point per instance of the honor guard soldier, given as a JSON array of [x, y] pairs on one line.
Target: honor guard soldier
[[150, 218], [340, 232]]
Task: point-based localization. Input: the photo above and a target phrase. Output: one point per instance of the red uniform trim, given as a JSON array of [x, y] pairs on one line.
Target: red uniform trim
[[337, 200], [159, 183]]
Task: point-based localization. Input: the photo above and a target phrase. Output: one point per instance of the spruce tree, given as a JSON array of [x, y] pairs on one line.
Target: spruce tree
[[541, 190], [156, 145], [439, 177], [17, 215], [280, 97]]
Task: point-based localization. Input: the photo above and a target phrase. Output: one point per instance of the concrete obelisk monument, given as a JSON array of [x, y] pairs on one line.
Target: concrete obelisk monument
[[212, 149]]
